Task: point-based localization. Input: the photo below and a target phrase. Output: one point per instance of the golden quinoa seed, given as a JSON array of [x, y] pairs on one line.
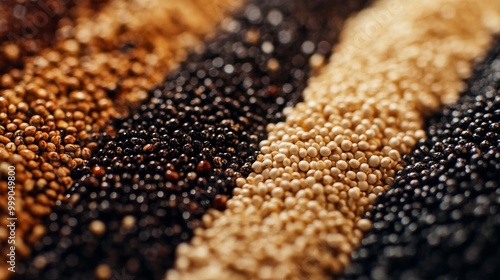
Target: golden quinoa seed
[[103, 272], [344, 142], [97, 227], [54, 104]]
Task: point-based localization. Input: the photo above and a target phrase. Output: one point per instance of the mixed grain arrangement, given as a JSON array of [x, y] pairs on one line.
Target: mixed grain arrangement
[[258, 157], [51, 106], [145, 189], [28, 26], [299, 214], [441, 219]]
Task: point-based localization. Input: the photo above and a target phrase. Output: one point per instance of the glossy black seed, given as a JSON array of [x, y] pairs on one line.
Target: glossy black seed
[[145, 190], [448, 218]]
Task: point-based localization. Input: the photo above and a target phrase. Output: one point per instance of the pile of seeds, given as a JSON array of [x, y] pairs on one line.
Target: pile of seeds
[[441, 220], [28, 26], [52, 105], [145, 189], [15, 52], [299, 214]]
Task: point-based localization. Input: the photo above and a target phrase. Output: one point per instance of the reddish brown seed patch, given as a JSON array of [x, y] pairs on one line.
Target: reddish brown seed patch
[[98, 171], [203, 166], [220, 202], [272, 90], [172, 175]]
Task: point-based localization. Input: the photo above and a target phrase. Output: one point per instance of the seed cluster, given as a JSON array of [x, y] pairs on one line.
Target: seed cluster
[[51, 107], [441, 220], [180, 153], [28, 26], [299, 214]]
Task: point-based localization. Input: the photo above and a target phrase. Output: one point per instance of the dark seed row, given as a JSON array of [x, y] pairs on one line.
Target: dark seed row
[[145, 189], [441, 219], [54, 104]]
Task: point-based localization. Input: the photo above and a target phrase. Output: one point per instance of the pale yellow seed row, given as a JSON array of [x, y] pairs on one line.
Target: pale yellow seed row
[[299, 214]]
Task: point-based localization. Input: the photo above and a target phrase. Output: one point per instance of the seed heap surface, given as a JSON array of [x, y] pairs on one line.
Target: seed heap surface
[[52, 105], [180, 153], [441, 220], [299, 214], [28, 26]]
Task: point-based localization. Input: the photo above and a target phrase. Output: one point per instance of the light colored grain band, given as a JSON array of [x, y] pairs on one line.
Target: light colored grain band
[[299, 215]]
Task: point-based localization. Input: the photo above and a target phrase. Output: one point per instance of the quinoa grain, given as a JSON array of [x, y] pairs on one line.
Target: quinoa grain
[[442, 212], [408, 68], [59, 96], [206, 119]]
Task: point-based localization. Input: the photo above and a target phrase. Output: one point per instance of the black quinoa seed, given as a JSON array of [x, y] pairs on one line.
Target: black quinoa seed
[[145, 190], [441, 219]]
